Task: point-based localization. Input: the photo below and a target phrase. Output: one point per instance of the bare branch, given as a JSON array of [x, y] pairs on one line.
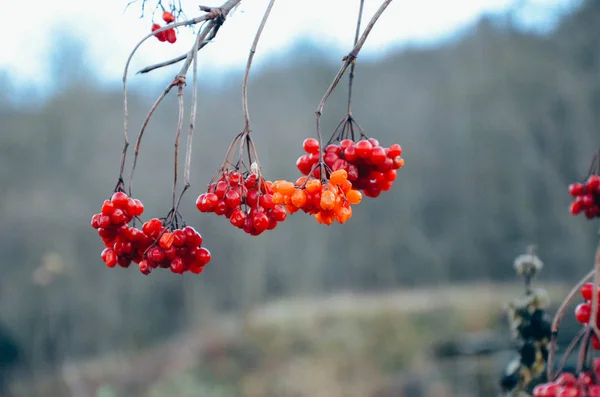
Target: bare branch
[[348, 59], [351, 77], [177, 136], [249, 64]]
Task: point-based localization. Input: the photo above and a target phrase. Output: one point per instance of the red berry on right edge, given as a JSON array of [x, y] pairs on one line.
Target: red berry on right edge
[[171, 36]]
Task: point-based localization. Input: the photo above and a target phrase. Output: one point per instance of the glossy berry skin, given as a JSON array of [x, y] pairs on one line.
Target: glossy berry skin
[[311, 146], [583, 313]]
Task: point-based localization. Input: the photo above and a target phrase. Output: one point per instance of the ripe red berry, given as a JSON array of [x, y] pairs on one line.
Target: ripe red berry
[[171, 36], [120, 200], [160, 36], [583, 312], [311, 146], [587, 291], [364, 148], [168, 17]]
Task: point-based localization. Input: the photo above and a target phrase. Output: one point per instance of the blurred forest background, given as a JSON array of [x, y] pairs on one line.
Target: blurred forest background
[[494, 124]]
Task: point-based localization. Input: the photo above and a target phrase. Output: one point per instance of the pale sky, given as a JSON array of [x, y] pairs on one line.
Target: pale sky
[[109, 33]]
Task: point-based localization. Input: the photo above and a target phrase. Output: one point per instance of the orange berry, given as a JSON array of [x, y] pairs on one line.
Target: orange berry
[[313, 186], [338, 177], [327, 200], [301, 180], [286, 188], [278, 198], [354, 197], [343, 214], [299, 198], [291, 209], [346, 186], [325, 217]]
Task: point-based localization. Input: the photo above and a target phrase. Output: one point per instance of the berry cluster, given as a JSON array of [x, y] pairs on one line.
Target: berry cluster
[[179, 250], [371, 168], [247, 201], [328, 202], [168, 35], [151, 246], [568, 385], [587, 197], [583, 311]]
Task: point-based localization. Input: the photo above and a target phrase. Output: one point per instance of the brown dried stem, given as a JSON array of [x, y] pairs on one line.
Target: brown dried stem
[[249, 64], [353, 66], [177, 136], [348, 60]]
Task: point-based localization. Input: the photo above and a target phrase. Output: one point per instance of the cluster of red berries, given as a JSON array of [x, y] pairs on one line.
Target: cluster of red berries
[[583, 311], [587, 197], [568, 385], [328, 202], [371, 168], [147, 247], [245, 201], [168, 35], [179, 250]]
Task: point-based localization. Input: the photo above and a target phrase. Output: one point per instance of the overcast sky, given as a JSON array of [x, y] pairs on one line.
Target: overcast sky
[[109, 33]]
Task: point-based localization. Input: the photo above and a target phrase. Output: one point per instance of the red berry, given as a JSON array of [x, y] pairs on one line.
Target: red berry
[[378, 155], [120, 200], [171, 36], [350, 154], [587, 290], [168, 17], [109, 257], [364, 148], [117, 217], [593, 183], [203, 256], [394, 151], [583, 313], [160, 36], [260, 222], [576, 189], [232, 199], [145, 267], [311, 146], [107, 208], [566, 379]]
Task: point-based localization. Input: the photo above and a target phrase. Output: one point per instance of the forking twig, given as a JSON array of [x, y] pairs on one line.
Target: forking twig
[[348, 60], [217, 17]]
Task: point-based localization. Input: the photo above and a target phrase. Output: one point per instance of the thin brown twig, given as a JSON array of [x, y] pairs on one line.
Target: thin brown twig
[[249, 63], [593, 318], [213, 14], [348, 59], [188, 154], [558, 317], [177, 136], [146, 121], [356, 35], [569, 350]]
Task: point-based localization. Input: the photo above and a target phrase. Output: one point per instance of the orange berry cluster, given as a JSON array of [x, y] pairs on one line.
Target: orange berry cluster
[[246, 202], [328, 202], [167, 35]]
